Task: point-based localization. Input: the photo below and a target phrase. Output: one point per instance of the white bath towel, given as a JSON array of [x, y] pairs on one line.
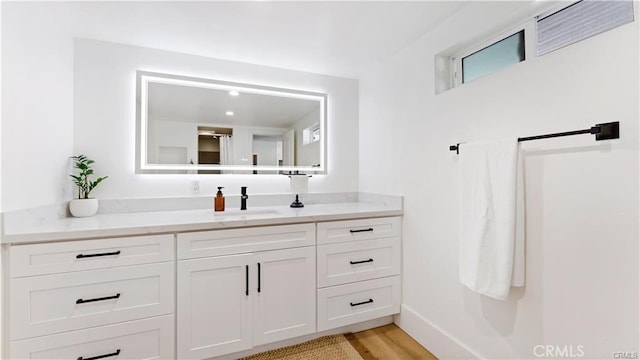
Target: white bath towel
[[491, 252]]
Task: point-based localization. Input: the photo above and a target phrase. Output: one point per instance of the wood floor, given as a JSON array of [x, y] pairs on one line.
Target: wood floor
[[388, 343]]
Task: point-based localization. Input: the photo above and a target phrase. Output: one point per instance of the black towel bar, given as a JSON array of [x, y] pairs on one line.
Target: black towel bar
[[606, 131]]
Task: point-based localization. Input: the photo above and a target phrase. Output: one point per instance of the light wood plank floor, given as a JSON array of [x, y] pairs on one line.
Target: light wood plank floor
[[388, 343]]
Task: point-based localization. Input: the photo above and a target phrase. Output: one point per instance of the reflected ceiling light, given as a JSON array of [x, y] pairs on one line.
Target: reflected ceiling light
[[234, 93], [229, 113]]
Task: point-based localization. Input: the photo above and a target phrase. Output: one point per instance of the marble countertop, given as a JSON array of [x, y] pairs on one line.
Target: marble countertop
[[154, 222]]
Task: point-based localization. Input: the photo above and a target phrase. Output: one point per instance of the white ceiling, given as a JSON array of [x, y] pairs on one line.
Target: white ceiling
[[335, 38]]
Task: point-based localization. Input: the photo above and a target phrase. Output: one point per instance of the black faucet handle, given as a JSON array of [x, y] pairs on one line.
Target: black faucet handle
[[243, 190]]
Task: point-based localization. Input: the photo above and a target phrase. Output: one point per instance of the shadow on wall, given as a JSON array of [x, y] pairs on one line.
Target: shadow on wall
[[500, 315]]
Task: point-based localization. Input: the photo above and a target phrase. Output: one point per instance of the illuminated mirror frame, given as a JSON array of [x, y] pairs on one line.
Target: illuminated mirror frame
[[143, 78]]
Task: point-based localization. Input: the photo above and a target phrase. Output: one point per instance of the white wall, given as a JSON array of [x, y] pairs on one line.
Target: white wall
[[176, 134], [104, 125], [582, 195], [37, 111]]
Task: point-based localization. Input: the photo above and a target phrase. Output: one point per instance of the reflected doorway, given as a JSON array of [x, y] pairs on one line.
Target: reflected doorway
[[209, 147]]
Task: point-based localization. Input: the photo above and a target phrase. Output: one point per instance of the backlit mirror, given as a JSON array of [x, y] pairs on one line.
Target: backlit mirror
[[202, 126]]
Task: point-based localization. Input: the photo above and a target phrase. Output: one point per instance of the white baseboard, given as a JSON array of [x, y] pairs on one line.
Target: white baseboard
[[438, 342]]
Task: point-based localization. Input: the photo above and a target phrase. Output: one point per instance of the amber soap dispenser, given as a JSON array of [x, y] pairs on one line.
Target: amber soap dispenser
[[218, 202]]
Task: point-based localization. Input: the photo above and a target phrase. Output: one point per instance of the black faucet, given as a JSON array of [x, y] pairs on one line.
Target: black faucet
[[243, 198]]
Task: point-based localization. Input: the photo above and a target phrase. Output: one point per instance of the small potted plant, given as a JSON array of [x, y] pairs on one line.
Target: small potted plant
[[84, 206]]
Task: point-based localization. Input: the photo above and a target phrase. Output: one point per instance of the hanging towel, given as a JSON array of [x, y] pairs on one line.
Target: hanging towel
[[491, 251]]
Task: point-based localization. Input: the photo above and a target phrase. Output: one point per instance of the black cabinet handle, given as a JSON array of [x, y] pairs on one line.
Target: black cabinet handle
[[361, 230], [361, 261], [81, 301], [80, 256], [246, 279], [362, 303], [101, 356], [258, 277]]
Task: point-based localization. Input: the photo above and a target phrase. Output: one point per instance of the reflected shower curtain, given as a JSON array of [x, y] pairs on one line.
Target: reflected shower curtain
[[226, 150]]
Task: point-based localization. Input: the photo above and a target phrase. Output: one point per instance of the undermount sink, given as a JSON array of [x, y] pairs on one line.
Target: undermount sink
[[237, 212]]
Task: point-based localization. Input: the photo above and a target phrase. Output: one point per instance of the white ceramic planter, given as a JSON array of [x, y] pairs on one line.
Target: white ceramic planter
[[83, 207]]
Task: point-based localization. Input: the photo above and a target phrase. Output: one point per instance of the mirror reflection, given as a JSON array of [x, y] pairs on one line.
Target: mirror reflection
[[203, 126]]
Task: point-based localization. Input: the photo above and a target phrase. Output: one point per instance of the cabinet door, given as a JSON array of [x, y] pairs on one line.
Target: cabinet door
[[285, 294], [214, 306]]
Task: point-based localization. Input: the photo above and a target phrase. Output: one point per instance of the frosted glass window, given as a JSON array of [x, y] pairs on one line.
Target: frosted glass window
[[494, 57], [581, 20]]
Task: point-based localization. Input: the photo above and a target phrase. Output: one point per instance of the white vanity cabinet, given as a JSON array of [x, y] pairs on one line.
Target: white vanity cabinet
[[245, 295], [92, 299], [358, 270], [197, 294]]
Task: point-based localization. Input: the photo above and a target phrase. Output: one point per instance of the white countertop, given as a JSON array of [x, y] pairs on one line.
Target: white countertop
[[154, 222]]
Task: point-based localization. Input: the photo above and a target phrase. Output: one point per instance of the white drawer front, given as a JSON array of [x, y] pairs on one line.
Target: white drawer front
[[236, 241], [141, 339], [364, 229], [59, 257], [353, 303], [42, 305], [358, 260]]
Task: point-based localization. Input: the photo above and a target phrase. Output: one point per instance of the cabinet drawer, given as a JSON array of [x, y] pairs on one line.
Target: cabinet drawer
[[59, 257], [353, 303], [142, 339], [364, 229], [236, 241], [42, 305], [343, 263]]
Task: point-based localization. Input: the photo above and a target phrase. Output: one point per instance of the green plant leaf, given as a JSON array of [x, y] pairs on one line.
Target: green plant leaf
[[81, 180]]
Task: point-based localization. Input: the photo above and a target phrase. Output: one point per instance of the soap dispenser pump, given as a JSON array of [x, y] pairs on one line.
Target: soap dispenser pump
[[219, 200]]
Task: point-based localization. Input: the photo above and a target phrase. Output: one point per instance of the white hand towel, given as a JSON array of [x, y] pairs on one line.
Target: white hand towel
[[299, 184], [491, 252]]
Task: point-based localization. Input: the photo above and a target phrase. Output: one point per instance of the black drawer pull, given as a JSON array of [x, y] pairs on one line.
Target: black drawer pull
[[246, 280], [258, 277], [361, 230], [361, 261], [362, 303], [81, 256], [82, 301], [101, 356]]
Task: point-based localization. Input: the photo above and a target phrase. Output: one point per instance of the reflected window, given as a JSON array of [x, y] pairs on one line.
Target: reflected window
[[311, 134], [315, 135]]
